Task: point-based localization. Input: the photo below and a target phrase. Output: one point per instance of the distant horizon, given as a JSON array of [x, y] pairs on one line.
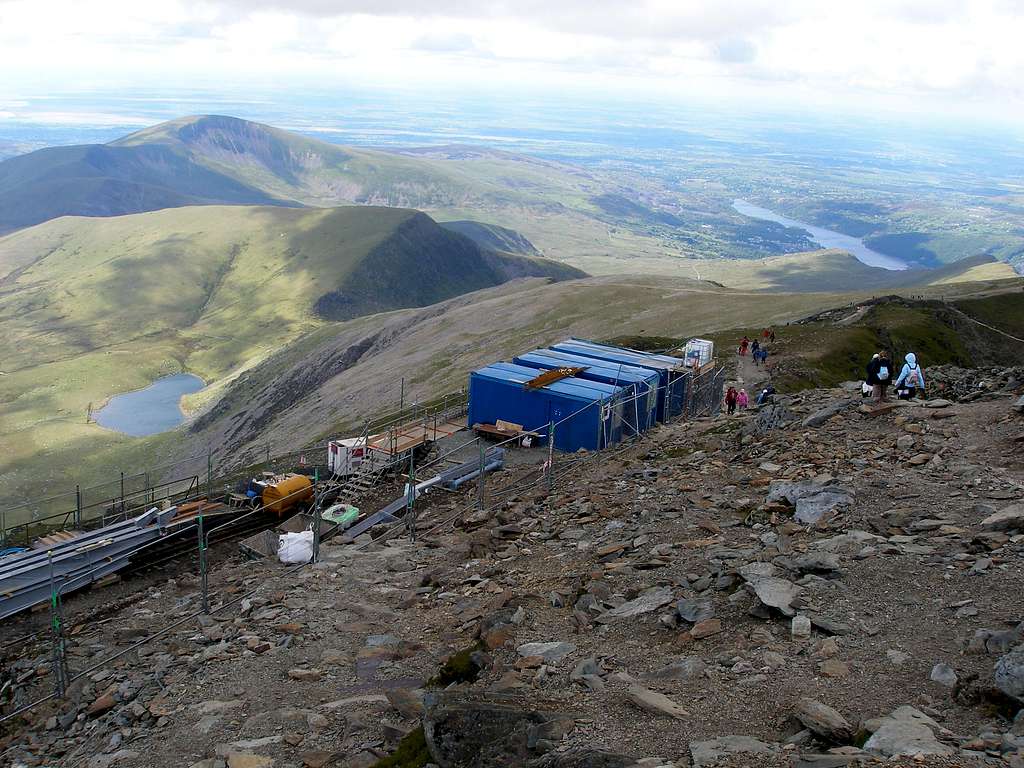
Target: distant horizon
[[929, 58]]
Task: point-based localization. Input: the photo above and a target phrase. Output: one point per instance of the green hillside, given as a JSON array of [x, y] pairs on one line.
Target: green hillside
[[93, 307], [493, 237]]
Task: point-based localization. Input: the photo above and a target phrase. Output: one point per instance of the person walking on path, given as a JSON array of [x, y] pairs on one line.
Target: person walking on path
[[911, 377], [730, 400], [879, 376], [744, 343], [742, 400], [771, 335], [755, 347]]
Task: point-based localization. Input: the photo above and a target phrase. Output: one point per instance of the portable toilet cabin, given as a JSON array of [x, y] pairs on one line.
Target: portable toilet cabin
[[640, 410], [612, 397], [672, 377], [584, 416]]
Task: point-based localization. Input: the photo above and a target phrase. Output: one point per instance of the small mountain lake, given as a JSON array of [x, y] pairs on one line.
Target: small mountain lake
[[826, 238], [148, 411]]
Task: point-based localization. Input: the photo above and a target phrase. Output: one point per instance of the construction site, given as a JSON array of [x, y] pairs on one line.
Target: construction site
[[530, 420]]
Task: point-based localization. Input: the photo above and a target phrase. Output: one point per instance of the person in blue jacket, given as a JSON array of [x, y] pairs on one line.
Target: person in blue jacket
[[911, 378]]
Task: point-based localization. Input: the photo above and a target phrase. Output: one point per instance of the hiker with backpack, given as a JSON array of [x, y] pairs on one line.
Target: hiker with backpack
[[879, 376], [911, 379], [730, 400]]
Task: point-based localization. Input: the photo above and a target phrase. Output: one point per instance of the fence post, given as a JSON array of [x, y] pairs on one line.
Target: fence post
[[209, 476], [268, 455], [551, 456], [55, 631], [410, 502], [202, 563], [480, 477], [78, 506], [122, 493], [3, 526], [316, 514]]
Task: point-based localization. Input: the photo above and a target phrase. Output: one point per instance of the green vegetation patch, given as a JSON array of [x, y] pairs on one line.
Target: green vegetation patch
[[412, 752]]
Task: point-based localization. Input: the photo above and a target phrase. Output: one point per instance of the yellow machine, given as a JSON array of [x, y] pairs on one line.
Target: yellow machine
[[286, 492]]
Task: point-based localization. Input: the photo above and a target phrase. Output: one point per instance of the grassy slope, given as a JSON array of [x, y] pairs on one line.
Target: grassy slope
[[301, 394], [825, 353], [92, 307]]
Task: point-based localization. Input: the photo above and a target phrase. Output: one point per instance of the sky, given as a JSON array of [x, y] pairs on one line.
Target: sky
[[951, 56]]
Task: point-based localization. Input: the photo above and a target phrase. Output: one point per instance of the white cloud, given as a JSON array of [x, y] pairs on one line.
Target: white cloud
[[960, 51]]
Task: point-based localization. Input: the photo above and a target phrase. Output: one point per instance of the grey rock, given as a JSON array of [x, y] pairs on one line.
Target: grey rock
[[695, 609], [706, 753], [654, 702], [1019, 405], [907, 731], [773, 591], [1008, 519], [822, 415], [649, 601], [943, 674], [821, 563], [1009, 673], [462, 732], [812, 500], [686, 668], [550, 652], [824, 721], [587, 667], [905, 442]]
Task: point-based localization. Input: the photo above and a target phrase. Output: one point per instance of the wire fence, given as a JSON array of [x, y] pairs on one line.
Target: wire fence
[[129, 493], [703, 396], [691, 394]]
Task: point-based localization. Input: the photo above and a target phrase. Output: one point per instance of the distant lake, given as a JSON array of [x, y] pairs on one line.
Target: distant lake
[[148, 411], [826, 238]]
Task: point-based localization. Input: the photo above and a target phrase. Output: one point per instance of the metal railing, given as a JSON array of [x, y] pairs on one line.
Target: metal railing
[[87, 508]]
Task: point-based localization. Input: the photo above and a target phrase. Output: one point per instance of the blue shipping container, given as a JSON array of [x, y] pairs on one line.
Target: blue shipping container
[[584, 411], [612, 407], [672, 377], [640, 410]]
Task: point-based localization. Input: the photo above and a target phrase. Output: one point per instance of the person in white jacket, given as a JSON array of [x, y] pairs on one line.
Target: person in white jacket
[[911, 378]]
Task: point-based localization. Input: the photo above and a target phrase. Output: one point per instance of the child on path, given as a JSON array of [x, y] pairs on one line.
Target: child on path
[[741, 399], [744, 343], [911, 377]]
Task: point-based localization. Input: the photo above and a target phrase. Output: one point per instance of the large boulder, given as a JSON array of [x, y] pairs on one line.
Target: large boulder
[[812, 500], [824, 721], [907, 731], [1010, 673], [1007, 519], [461, 732]]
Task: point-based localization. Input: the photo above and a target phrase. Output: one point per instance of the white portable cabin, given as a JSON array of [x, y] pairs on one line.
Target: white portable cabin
[[351, 455]]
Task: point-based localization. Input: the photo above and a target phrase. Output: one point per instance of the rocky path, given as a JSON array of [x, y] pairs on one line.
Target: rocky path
[[824, 587]]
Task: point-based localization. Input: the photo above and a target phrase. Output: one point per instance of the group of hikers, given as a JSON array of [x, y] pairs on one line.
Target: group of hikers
[[738, 399], [758, 349], [909, 384]]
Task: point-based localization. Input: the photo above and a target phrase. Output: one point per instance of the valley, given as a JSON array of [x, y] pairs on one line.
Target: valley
[[231, 250]]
